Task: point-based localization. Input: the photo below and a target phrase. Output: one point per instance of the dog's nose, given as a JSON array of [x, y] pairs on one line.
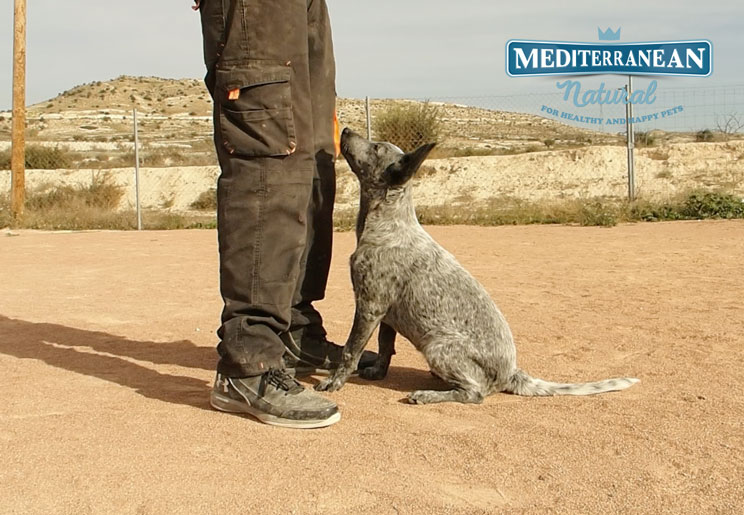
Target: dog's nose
[[346, 131]]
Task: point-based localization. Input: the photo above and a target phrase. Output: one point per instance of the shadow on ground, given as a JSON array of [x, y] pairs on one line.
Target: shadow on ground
[[111, 358], [108, 357]]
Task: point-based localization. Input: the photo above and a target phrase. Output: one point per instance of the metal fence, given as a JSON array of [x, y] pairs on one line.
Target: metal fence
[[674, 109], [178, 166]]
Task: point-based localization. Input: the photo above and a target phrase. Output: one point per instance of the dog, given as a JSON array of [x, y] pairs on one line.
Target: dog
[[407, 283]]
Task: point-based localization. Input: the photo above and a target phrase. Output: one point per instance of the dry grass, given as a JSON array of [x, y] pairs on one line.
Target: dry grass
[[206, 201], [92, 207], [692, 205], [90, 218], [75, 211], [409, 125]]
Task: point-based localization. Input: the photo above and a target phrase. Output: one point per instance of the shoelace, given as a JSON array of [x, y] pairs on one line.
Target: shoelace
[[282, 380]]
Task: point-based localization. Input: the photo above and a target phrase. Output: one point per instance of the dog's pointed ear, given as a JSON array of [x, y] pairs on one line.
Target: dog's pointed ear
[[403, 169]]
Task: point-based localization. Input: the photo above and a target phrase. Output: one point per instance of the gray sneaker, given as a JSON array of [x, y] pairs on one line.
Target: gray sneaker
[[311, 353], [274, 398]]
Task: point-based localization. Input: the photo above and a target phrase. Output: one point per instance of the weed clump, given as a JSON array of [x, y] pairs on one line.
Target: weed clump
[[644, 139], [409, 126], [704, 136], [206, 201], [705, 204], [101, 193], [40, 157]]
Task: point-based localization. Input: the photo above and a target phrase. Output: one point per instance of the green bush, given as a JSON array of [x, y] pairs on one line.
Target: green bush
[[598, 213], [409, 126], [702, 205], [650, 212]]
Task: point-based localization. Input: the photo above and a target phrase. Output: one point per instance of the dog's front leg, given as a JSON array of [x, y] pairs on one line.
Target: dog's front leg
[[364, 324], [386, 349]]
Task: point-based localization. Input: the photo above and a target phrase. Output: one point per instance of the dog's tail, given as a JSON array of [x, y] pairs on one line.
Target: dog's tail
[[522, 384]]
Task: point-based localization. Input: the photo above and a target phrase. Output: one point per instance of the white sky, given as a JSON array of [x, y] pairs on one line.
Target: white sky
[[384, 48]]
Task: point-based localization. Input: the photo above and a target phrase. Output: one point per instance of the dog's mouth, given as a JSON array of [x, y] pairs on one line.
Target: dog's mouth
[[348, 137], [347, 154], [345, 135], [345, 151]]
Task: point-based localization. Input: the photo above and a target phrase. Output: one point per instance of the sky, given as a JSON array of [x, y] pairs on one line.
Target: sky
[[384, 48]]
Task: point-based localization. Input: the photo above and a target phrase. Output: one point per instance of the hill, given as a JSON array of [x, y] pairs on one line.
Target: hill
[[177, 114]]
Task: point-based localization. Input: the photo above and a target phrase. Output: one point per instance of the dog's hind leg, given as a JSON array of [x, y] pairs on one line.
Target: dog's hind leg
[[364, 325], [449, 360], [386, 343]]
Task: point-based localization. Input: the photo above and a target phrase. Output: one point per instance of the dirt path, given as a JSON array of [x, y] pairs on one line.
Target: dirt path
[[106, 361]]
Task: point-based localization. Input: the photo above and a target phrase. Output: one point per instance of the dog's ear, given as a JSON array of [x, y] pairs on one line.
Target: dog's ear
[[403, 169]]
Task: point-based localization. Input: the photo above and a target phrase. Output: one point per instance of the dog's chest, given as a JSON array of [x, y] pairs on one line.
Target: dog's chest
[[375, 262]]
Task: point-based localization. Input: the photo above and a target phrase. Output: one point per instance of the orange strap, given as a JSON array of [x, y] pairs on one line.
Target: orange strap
[[336, 134]]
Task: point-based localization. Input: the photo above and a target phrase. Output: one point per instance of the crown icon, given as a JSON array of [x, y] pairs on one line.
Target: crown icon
[[608, 35]]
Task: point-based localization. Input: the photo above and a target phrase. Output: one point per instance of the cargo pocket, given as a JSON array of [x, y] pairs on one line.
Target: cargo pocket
[[255, 110]]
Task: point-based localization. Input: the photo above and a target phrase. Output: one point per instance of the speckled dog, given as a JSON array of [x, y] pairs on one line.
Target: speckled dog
[[407, 283]]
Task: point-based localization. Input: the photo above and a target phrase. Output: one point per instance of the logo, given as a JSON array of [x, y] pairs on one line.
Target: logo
[[608, 35], [529, 58], [602, 105]]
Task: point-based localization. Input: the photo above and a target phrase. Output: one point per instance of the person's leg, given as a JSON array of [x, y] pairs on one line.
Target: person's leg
[[258, 74], [307, 345], [316, 258]]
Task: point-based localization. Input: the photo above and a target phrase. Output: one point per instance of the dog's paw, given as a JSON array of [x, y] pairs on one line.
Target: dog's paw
[[373, 373], [329, 384], [421, 397]]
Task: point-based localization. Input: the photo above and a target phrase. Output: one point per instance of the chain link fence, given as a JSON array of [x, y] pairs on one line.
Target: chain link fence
[[542, 138]]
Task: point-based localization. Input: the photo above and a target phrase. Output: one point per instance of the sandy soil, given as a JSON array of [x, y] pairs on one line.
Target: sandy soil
[[106, 361]]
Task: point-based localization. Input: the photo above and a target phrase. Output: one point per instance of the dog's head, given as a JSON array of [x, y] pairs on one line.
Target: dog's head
[[380, 166]]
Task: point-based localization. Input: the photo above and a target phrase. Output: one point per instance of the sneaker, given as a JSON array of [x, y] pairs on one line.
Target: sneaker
[[314, 354], [274, 398]]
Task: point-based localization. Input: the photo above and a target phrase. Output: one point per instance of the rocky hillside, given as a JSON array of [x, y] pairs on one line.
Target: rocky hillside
[[178, 113], [92, 125]]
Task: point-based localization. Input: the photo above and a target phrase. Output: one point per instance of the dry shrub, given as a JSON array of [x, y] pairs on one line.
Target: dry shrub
[[102, 193], [409, 125], [40, 157]]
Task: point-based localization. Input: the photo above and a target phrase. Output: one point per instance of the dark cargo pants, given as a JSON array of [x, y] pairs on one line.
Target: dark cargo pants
[[271, 73]]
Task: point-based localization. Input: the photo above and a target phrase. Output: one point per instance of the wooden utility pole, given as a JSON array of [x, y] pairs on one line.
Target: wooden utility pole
[[18, 151]]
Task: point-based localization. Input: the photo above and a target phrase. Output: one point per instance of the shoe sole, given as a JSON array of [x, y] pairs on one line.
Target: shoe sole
[[229, 405]]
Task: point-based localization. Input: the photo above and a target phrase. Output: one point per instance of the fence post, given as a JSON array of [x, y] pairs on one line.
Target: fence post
[[18, 150], [630, 136], [136, 171], [369, 118]]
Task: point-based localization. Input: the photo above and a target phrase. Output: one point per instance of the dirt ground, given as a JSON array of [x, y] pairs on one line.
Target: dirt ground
[[106, 361]]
